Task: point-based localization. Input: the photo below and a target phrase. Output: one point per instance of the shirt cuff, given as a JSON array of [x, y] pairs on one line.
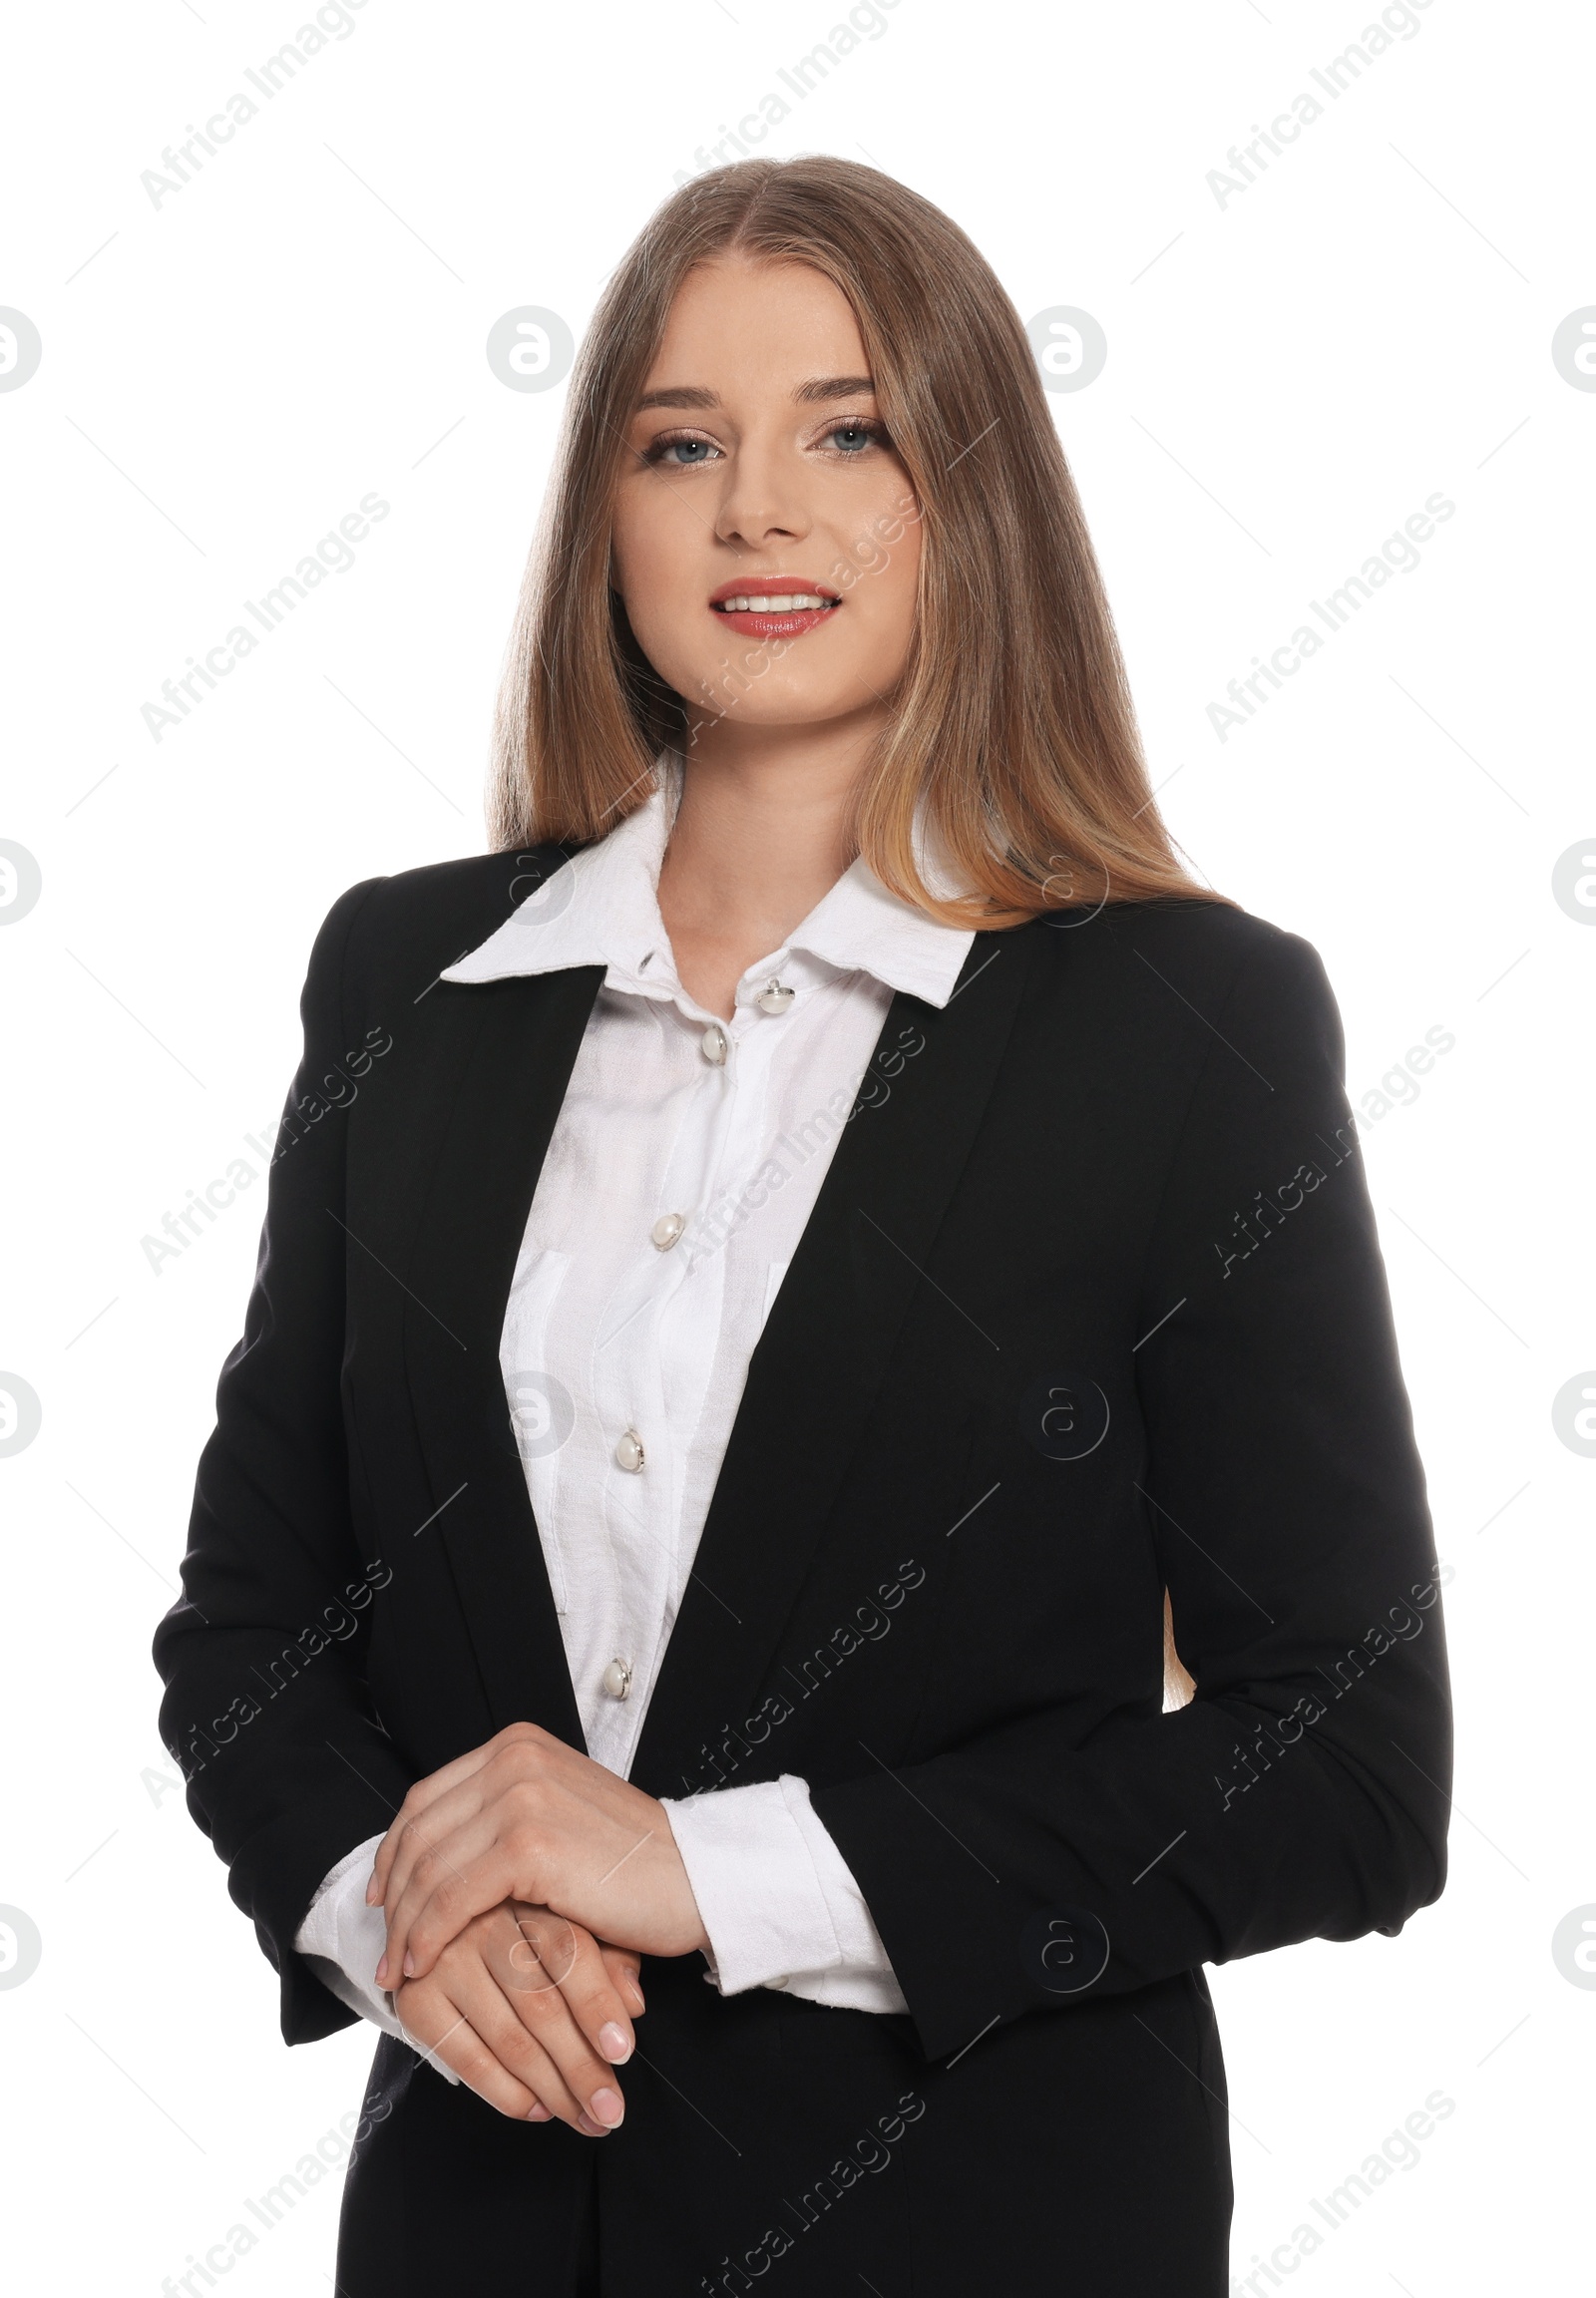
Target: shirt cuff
[[342, 1939], [778, 1900]]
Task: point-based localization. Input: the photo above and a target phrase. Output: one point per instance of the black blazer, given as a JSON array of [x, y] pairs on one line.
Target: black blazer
[[1090, 1305]]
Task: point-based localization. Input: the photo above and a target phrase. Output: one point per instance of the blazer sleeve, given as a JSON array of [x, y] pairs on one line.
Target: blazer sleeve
[[266, 1711], [1303, 1790]]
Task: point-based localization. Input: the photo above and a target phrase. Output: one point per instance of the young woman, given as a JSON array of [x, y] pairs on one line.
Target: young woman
[[780, 1281]]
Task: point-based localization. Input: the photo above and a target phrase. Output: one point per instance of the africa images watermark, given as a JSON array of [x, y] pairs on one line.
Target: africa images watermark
[[202, 1207], [1266, 1215], [333, 2149], [333, 555], [180, 166], [870, 2154], [1398, 555], [337, 1090], [1400, 1085], [1246, 163], [1269, 1215], [864, 22], [869, 1623], [1403, 1621], [1400, 2151], [339, 1620], [731, 1208], [870, 554]]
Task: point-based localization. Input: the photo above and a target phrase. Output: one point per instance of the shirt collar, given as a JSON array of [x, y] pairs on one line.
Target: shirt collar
[[602, 908]]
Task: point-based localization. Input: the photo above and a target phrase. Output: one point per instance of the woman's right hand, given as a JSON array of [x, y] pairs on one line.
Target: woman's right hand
[[531, 2011]]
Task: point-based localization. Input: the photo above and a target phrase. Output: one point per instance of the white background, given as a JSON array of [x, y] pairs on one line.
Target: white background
[[1289, 376]]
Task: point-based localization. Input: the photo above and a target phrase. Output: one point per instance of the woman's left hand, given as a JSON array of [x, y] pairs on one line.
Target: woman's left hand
[[527, 1817]]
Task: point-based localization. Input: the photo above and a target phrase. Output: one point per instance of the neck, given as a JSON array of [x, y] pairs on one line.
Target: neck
[[760, 836]]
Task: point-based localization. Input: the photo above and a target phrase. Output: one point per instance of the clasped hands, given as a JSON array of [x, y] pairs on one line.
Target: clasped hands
[[521, 1885]]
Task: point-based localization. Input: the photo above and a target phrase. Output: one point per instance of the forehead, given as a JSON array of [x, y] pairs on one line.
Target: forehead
[[740, 324]]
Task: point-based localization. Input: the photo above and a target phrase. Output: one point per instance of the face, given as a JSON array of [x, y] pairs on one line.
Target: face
[[766, 541]]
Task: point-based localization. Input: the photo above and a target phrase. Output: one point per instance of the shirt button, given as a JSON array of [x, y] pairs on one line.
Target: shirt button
[[714, 1042], [629, 1453], [775, 997], [667, 1229], [618, 1679], [776, 1982]]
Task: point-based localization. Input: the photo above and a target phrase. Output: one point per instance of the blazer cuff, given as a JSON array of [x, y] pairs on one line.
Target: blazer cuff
[[778, 1900], [342, 1939]]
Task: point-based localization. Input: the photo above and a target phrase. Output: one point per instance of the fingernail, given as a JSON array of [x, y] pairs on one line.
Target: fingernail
[[410, 1965], [591, 2130], [613, 2043], [371, 1892], [608, 2106], [382, 1972], [539, 2112], [633, 1989]]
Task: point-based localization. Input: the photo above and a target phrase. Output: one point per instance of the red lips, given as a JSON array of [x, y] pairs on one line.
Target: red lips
[[788, 622]]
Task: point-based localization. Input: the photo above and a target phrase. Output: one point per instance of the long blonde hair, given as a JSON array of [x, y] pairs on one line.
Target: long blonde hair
[[1013, 721]]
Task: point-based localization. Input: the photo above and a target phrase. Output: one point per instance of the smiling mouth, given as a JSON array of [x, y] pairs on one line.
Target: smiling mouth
[[794, 601], [775, 607]]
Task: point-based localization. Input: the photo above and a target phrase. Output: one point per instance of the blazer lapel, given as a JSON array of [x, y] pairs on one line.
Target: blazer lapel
[[814, 1376], [524, 1034]]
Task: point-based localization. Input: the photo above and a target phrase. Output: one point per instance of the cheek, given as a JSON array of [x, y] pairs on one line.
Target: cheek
[[639, 549], [659, 574], [886, 577]]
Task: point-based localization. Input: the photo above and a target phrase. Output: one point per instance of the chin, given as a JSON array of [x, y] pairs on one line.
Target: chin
[[808, 708]]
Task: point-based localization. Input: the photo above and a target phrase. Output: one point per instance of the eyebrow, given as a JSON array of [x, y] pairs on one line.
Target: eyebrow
[[819, 389]]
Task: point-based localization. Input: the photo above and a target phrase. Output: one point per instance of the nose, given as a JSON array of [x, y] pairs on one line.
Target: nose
[[764, 497]]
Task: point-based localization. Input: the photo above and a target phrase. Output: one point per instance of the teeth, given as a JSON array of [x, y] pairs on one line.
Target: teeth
[[799, 600]]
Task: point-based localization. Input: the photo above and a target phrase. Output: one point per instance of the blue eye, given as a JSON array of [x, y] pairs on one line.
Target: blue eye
[[687, 452], [855, 436]]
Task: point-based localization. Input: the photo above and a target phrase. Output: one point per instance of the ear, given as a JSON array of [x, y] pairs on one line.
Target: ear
[[1178, 1684]]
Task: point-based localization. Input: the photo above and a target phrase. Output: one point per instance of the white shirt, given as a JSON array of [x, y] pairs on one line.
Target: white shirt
[[683, 1166]]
